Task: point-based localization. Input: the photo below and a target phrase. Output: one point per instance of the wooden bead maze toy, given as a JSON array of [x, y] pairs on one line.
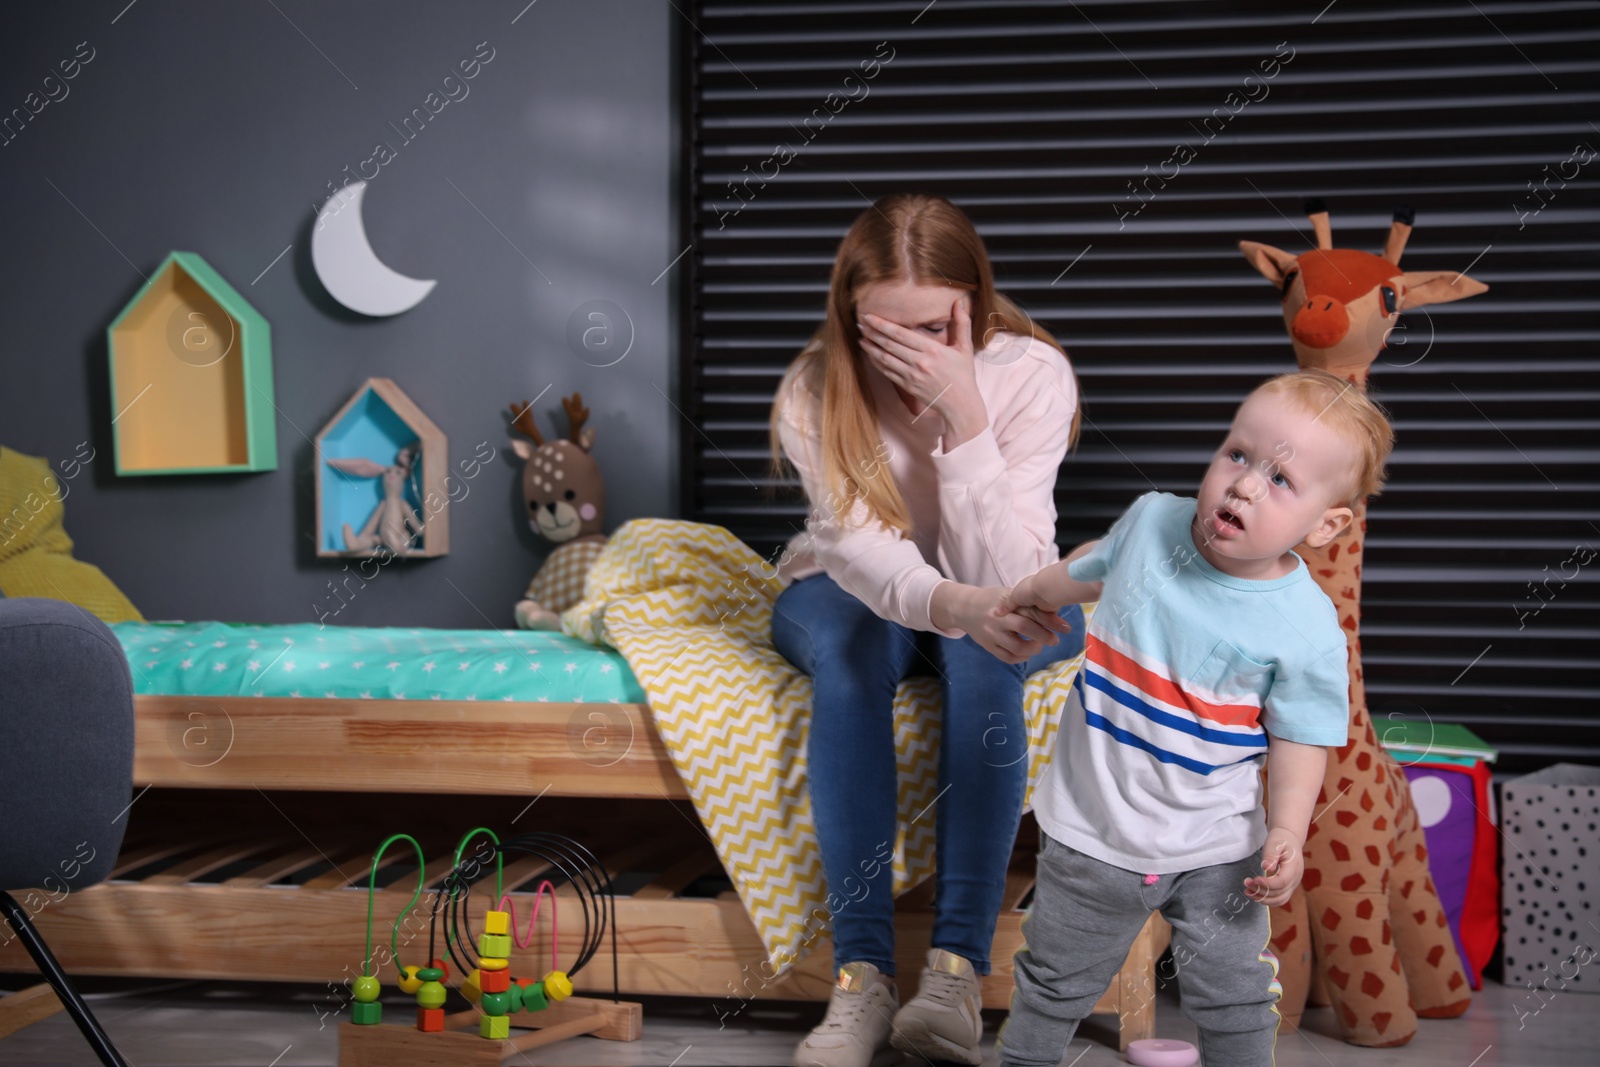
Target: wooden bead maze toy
[[543, 1010]]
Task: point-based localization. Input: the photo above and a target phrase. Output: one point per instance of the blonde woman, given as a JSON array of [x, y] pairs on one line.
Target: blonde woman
[[927, 419]]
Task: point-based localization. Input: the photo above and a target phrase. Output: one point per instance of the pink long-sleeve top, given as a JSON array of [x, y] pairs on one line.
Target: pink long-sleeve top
[[982, 513]]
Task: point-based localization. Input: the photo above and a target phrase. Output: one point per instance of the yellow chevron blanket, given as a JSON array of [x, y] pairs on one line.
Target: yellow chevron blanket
[[690, 608]]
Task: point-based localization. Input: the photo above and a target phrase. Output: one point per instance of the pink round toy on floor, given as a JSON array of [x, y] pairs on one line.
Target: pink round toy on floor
[[1160, 1052]]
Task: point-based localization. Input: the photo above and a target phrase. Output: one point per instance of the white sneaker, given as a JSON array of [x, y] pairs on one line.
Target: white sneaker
[[944, 1020], [855, 1032]]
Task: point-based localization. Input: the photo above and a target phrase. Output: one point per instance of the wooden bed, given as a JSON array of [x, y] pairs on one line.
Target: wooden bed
[[254, 820]]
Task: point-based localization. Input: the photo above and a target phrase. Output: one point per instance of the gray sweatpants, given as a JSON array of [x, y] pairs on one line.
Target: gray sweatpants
[[1084, 917]]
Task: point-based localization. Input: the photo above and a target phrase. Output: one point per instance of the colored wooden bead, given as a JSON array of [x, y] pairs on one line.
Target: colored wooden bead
[[409, 982], [444, 969], [494, 945], [430, 974], [366, 1013], [533, 998], [366, 989], [494, 981], [431, 995], [557, 986], [514, 991], [493, 963], [430, 1020], [497, 922], [494, 1026], [470, 987], [495, 1003]]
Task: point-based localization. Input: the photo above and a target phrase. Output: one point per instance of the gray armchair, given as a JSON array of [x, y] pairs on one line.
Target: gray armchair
[[66, 771]]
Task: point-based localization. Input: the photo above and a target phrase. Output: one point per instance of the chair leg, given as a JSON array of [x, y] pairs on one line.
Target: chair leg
[[46, 962]]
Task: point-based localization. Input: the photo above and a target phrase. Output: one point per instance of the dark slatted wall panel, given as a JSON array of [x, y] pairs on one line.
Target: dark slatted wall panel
[[1481, 584]]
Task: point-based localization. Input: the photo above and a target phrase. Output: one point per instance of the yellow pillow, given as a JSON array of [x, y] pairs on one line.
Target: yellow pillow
[[35, 551]]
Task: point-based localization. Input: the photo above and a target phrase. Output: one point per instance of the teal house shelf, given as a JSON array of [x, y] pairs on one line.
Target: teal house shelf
[[191, 376]]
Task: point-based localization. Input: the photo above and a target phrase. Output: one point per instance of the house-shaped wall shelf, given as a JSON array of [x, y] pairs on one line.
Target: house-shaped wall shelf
[[376, 424], [191, 376]]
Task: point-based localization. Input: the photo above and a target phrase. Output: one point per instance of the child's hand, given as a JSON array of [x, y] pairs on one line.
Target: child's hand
[[1282, 864], [1023, 594]]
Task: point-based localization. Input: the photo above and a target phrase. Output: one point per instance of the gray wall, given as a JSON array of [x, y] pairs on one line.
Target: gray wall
[[215, 128]]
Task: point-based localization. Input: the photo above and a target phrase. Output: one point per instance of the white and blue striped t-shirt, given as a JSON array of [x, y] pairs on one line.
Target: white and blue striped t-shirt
[[1157, 765]]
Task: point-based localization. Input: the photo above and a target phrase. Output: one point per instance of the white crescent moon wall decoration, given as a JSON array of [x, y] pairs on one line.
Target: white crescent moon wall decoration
[[350, 269]]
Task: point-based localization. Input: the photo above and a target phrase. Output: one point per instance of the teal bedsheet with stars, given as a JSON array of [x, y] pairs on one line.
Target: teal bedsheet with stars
[[305, 660]]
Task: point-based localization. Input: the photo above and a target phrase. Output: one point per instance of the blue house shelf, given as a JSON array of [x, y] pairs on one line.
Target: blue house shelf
[[375, 424]]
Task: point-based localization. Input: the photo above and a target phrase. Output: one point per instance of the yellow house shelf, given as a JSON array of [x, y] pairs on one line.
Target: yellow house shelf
[[191, 376]]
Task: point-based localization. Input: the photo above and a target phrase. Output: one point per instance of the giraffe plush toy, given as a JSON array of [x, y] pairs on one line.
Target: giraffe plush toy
[[1366, 907]]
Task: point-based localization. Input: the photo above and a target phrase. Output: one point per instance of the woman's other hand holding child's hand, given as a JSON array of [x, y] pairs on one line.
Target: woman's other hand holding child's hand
[[986, 616], [1282, 863]]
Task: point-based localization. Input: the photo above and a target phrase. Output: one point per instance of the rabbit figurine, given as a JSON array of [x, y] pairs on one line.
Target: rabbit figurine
[[394, 524]]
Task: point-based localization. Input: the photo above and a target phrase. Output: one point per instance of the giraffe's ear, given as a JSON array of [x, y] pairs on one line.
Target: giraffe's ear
[[1273, 263], [1438, 287]]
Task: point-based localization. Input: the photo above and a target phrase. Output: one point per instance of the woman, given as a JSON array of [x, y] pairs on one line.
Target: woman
[[927, 419]]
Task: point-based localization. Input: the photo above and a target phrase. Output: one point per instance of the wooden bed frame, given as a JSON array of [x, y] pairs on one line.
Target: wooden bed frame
[[254, 820]]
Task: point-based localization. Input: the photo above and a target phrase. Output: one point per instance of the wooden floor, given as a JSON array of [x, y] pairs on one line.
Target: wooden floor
[[201, 1024]]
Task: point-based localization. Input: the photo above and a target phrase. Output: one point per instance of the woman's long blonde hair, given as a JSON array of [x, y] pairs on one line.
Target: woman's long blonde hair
[[913, 237]]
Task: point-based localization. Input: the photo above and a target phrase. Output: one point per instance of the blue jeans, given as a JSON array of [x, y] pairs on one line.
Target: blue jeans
[[856, 661]]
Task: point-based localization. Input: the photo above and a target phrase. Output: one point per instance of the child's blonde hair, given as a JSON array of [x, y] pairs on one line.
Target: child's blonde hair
[[1347, 409]]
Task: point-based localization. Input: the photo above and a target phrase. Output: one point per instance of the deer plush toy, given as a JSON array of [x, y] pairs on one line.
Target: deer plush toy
[[1366, 907], [565, 495]]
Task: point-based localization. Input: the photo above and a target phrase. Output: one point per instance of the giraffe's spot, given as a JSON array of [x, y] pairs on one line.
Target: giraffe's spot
[[1345, 783], [1380, 774], [1386, 933], [1394, 963], [1366, 801], [1388, 797], [1351, 882], [1344, 818], [1364, 761], [1439, 920], [1372, 986], [1284, 940], [1358, 572], [1340, 850], [1310, 830], [1421, 915], [1364, 910], [1373, 856], [1333, 552], [1349, 1016], [1380, 1020], [1349, 623], [1355, 546], [1338, 977], [1330, 919], [1348, 592], [1311, 880], [1435, 954], [1360, 946], [1455, 981], [1380, 823]]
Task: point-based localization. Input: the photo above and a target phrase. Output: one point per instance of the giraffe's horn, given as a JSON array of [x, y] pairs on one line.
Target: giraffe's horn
[[1317, 212], [1399, 231]]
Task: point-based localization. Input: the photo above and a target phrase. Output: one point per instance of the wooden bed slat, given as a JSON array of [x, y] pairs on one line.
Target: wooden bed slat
[[678, 877], [206, 862], [295, 859]]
